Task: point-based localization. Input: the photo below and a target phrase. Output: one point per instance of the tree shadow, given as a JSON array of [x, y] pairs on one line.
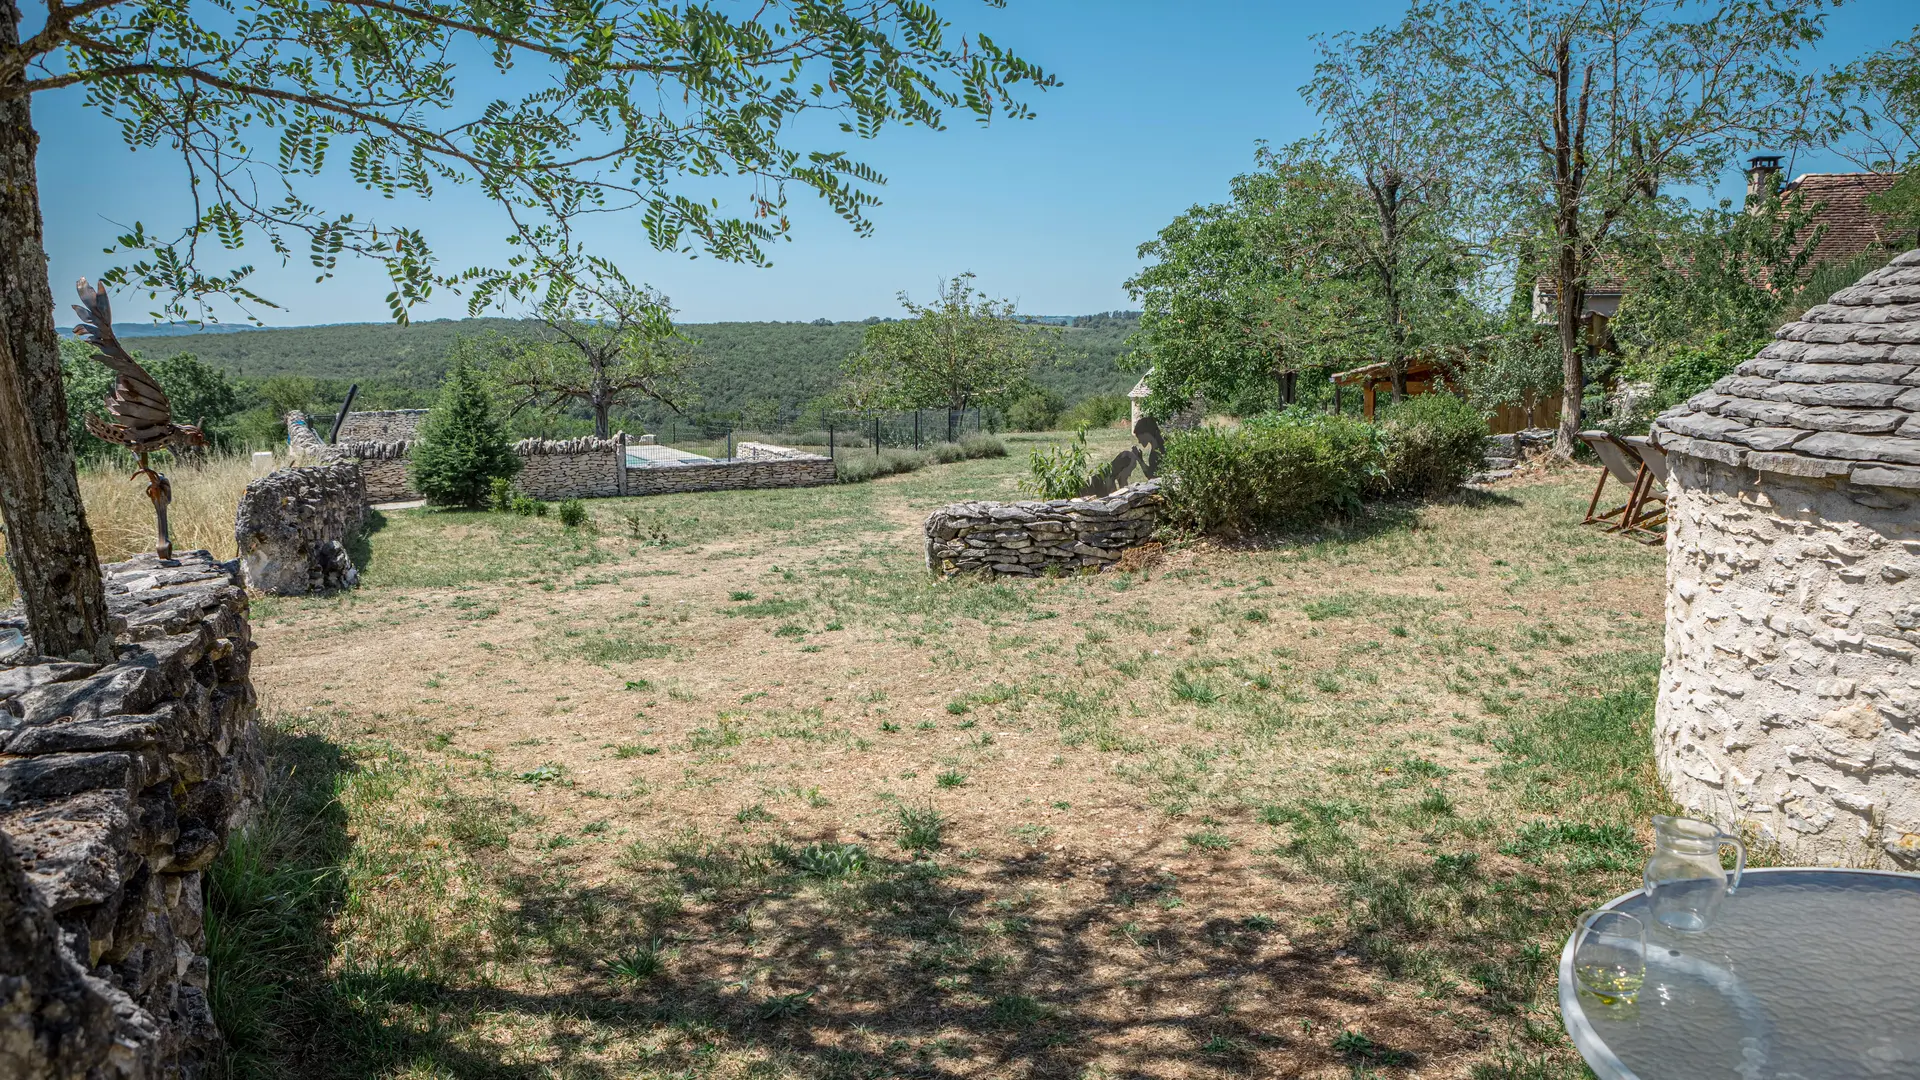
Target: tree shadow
[[360, 545], [890, 965], [1371, 521]]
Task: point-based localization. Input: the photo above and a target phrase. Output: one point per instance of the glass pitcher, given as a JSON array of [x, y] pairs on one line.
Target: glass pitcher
[[1684, 879]]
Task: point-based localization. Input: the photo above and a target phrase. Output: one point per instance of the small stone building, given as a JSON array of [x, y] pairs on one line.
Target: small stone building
[[1789, 699], [1188, 417]]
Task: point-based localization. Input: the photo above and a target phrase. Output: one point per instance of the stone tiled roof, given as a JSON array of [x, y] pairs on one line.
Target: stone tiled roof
[[1836, 395]]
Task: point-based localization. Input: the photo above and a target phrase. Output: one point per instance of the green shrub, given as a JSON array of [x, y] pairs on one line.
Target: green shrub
[[1277, 470], [1037, 411], [1098, 411], [501, 495], [946, 453], [1059, 471], [1433, 443], [1691, 369], [527, 506], [463, 446], [858, 468], [573, 513], [982, 446]]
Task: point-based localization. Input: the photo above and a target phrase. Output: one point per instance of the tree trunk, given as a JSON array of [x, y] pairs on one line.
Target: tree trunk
[[602, 395], [1572, 361], [49, 546]]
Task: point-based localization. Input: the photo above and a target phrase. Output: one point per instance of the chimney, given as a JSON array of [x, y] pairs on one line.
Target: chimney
[[1763, 177]]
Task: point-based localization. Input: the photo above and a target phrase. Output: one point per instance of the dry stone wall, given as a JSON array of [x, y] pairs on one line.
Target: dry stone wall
[[757, 465], [293, 525], [382, 425], [1029, 538], [584, 468], [302, 442], [1789, 697], [119, 785]]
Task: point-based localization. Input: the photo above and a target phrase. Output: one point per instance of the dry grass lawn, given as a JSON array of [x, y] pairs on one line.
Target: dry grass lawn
[[728, 787], [205, 493]]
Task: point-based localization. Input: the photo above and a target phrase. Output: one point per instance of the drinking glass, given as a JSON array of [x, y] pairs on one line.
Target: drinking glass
[[1610, 955]]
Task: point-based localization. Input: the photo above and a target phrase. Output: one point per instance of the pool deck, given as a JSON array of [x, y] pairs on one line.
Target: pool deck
[[653, 457]]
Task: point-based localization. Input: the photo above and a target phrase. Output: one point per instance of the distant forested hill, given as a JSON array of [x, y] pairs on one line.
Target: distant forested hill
[[746, 367]]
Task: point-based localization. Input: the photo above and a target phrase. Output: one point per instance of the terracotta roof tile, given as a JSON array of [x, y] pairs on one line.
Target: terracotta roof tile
[[1839, 201]]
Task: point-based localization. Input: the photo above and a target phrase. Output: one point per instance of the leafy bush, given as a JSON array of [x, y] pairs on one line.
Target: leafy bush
[[463, 446], [1676, 373], [982, 446], [946, 453], [1059, 471], [1098, 411], [1433, 443], [501, 495], [1276, 470], [573, 513], [1037, 411], [1691, 369], [859, 468]]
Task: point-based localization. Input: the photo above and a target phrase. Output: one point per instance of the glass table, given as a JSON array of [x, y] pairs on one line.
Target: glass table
[[1805, 975]]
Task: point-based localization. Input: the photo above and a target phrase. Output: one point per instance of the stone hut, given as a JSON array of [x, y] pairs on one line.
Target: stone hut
[[1187, 418], [1789, 699]]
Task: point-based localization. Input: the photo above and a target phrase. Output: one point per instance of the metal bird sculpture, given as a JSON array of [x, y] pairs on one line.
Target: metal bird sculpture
[[142, 417], [1118, 473]]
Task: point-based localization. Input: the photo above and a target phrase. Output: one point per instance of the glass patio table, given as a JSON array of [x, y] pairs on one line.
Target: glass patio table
[[1805, 975]]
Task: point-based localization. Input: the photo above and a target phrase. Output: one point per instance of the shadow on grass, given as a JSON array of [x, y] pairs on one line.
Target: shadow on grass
[[878, 966], [737, 956], [360, 544]]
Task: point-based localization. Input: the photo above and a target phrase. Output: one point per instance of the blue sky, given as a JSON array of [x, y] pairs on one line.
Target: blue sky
[[1162, 103]]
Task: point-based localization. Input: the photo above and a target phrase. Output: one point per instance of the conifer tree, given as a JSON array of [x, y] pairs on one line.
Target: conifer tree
[[463, 446]]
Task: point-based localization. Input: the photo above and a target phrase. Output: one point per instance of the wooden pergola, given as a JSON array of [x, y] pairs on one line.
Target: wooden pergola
[[1423, 374]]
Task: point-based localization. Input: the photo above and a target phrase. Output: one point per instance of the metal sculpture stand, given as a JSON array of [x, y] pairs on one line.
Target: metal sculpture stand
[[160, 490]]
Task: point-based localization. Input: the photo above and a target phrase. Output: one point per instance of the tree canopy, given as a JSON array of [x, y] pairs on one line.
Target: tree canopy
[[618, 107], [966, 349], [1290, 274], [610, 108], [1579, 114], [607, 349]]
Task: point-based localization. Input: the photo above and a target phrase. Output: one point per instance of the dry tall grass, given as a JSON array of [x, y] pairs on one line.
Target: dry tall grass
[[205, 495]]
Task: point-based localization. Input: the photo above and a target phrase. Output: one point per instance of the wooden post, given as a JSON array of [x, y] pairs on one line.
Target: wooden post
[[1366, 399]]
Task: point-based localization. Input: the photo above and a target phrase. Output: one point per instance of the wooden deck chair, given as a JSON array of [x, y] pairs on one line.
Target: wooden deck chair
[[1649, 510], [1619, 463]]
